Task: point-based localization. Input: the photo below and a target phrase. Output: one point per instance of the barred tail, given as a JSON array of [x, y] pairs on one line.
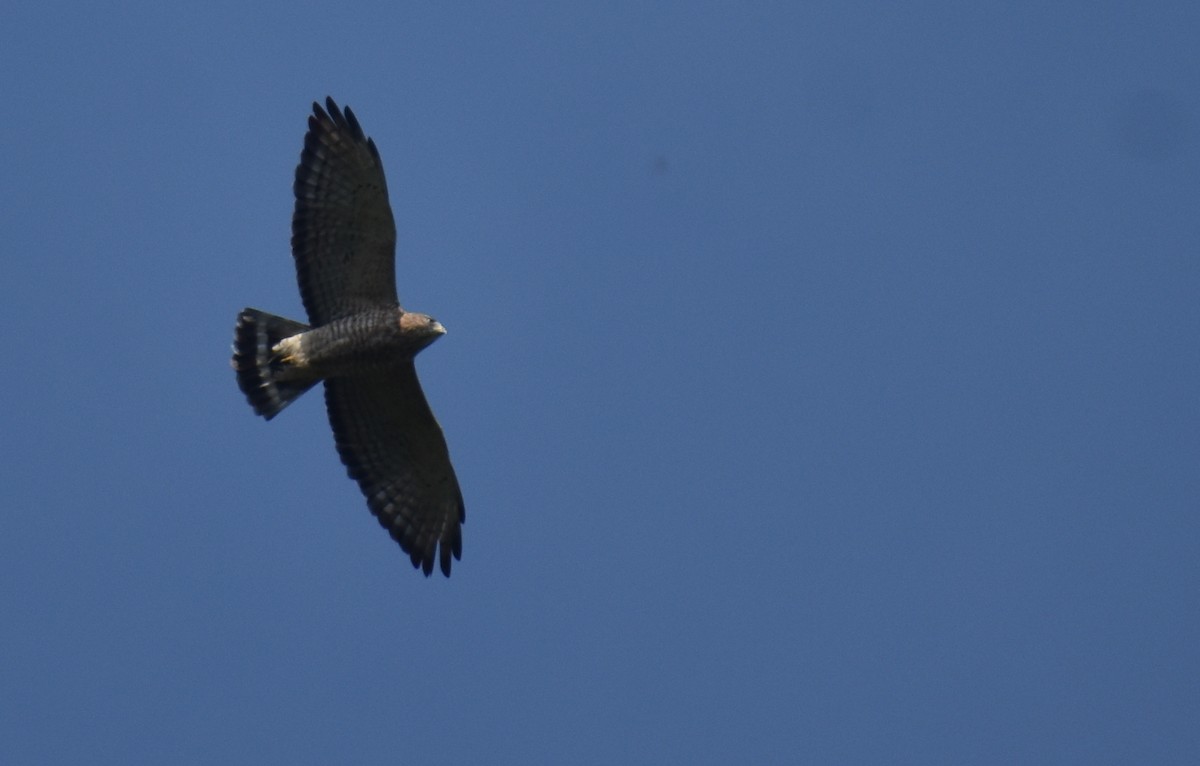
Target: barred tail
[[258, 367]]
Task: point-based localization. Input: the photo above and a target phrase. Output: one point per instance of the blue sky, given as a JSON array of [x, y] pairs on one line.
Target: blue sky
[[821, 377]]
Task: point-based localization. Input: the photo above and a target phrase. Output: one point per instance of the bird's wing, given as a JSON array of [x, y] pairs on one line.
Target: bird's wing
[[343, 233], [394, 448]]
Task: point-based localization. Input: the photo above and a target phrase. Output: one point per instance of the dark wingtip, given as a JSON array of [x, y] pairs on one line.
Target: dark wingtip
[[335, 114], [342, 118], [316, 120], [355, 128], [425, 564]]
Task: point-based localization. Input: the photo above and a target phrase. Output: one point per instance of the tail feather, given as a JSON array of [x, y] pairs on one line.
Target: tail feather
[[259, 368]]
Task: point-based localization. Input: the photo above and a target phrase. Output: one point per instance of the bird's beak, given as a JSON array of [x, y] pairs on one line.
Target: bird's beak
[[437, 327]]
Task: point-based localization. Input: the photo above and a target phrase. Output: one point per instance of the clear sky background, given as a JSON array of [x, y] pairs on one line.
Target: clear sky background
[[822, 379]]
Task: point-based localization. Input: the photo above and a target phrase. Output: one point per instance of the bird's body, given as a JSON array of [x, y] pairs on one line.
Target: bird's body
[[370, 341], [359, 341]]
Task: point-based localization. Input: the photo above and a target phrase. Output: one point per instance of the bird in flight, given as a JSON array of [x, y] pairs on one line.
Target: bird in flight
[[359, 341]]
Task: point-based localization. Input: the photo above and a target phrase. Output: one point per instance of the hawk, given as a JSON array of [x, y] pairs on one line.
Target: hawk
[[359, 342]]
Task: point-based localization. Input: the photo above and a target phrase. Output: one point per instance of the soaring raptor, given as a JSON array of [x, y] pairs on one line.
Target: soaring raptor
[[359, 341]]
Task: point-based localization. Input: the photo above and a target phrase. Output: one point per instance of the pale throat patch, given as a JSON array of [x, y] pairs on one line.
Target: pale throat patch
[[410, 321], [291, 351]]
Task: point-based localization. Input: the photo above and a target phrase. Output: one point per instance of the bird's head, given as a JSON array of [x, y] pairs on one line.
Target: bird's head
[[421, 329]]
